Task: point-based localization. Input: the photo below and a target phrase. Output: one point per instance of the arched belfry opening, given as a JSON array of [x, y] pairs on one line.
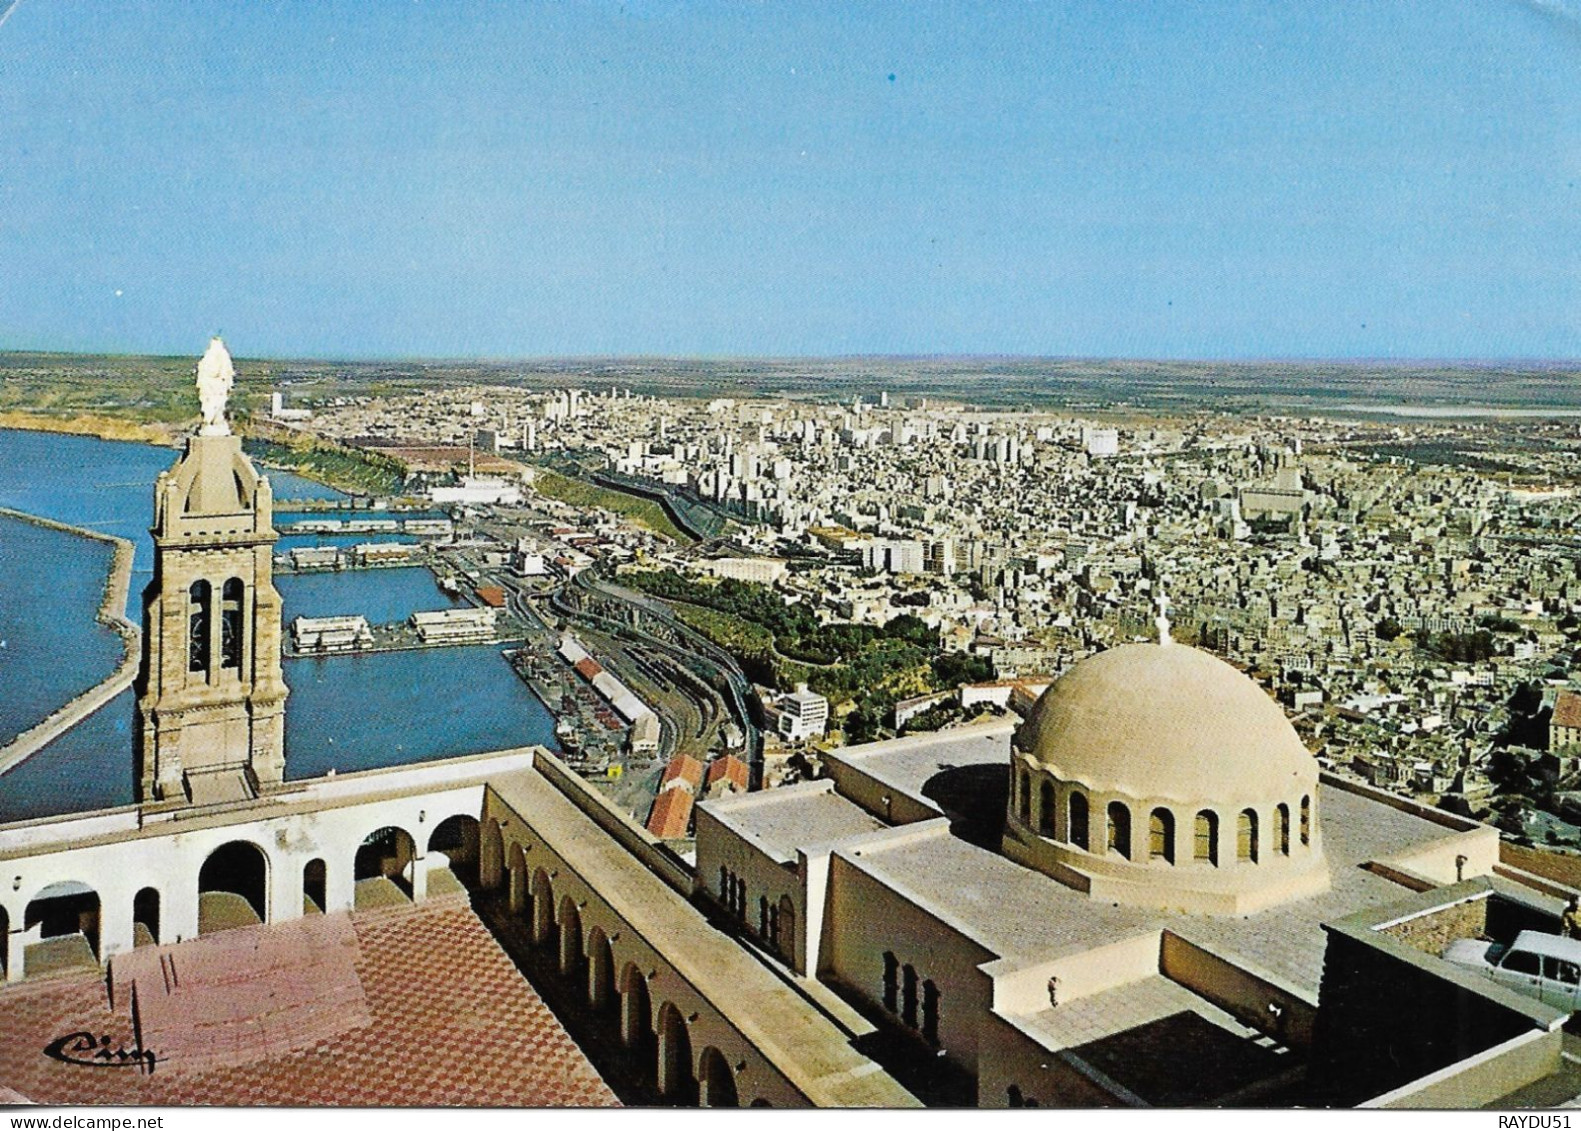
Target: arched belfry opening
[[211, 694]]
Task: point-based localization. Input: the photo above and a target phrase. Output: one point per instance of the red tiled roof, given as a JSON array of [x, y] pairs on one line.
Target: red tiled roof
[[683, 769], [454, 1023], [671, 814], [1567, 710], [729, 769], [492, 596], [588, 668]]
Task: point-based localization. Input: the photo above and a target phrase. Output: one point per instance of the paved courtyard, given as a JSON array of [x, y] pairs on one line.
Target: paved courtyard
[[434, 1013]]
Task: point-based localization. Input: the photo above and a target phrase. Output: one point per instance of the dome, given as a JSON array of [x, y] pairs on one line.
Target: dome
[[1167, 722]]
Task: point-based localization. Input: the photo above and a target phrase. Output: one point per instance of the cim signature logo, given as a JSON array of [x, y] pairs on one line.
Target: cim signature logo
[[90, 1051]]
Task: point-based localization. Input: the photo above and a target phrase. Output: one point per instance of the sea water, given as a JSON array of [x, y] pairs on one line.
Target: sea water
[[345, 712]]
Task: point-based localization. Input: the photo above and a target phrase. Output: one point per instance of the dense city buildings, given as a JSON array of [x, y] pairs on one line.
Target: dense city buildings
[[907, 754], [1406, 586]]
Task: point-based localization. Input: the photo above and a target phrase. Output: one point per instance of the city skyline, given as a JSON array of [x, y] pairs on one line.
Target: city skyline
[[1233, 182]]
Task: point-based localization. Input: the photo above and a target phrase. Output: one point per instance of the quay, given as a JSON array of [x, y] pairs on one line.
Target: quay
[[323, 637], [112, 614]]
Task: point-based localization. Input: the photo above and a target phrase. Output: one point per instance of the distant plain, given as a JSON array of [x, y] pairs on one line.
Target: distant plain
[[156, 390]]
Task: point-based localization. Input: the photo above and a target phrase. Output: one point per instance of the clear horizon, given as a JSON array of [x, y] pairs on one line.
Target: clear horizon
[[1232, 183]]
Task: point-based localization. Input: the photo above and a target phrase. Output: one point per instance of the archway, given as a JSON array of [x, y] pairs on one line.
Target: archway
[[456, 838], [676, 1082], [314, 888], [63, 922], [233, 888], [716, 1083], [145, 918], [517, 880], [600, 970], [571, 956], [383, 869], [542, 907], [636, 1011], [5, 942], [491, 855]]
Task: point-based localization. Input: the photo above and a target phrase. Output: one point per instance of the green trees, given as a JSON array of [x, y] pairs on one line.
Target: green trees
[[780, 643]]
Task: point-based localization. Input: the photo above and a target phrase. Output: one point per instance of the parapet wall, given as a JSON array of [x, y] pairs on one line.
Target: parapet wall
[[1421, 1015], [634, 838]]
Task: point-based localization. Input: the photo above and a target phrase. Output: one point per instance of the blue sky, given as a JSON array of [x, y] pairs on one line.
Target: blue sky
[[1201, 180]]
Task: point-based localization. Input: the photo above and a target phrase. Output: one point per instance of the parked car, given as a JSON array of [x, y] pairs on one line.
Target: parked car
[[1546, 967]]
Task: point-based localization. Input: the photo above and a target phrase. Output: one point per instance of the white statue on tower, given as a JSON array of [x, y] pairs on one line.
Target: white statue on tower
[[216, 375]]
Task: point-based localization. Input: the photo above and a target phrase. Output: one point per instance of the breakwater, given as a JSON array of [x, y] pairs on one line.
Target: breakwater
[[112, 614]]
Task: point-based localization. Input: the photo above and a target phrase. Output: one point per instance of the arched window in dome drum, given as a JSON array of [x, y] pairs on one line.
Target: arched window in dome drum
[[1046, 809], [1078, 819], [1120, 829], [1246, 837], [1161, 836], [1026, 796], [1207, 838], [1306, 820], [1283, 814]]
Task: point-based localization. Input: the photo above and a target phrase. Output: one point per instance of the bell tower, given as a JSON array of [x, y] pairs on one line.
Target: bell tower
[[210, 695]]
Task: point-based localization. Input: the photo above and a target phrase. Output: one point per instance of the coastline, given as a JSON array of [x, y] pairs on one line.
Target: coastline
[[111, 614], [99, 427], [133, 431]]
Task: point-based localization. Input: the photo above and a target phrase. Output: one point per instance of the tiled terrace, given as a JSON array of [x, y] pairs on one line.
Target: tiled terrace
[[452, 1023]]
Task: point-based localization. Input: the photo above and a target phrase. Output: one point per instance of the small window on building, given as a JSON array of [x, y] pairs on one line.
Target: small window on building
[[930, 1012], [891, 981], [1306, 820], [763, 916], [1078, 819], [1246, 837], [1026, 797], [1046, 809], [1161, 836], [908, 995], [1283, 814], [1207, 837], [1120, 829]]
